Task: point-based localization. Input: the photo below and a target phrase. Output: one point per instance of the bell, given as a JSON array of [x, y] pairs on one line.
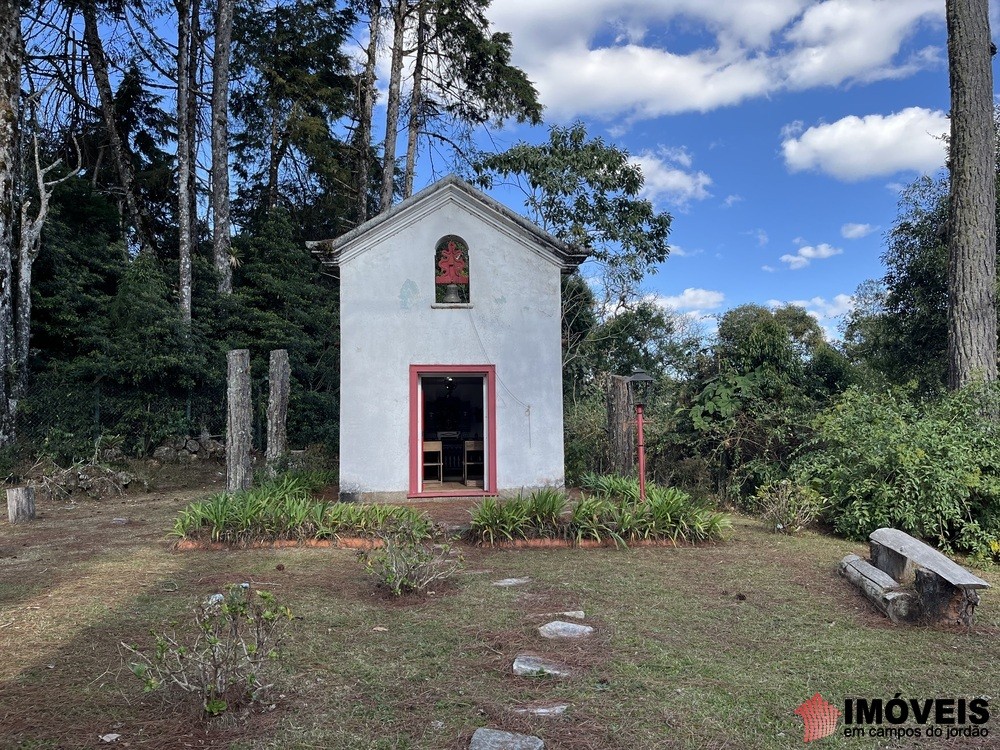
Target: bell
[[451, 294]]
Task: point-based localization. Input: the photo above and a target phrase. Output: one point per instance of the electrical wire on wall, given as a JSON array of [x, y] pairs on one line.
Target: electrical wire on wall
[[489, 360]]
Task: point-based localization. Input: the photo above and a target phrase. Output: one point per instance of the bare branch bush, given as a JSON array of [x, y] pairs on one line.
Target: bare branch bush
[[226, 659]]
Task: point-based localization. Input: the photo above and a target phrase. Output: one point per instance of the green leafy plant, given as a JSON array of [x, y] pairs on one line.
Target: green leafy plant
[[406, 565], [930, 467], [787, 507], [613, 514], [544, 510], [495, 520], [224, 658], [284, 508]]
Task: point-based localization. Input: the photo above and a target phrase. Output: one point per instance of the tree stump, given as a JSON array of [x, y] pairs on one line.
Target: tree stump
[[277, 409], [239, 468], [621, 439], [21, 504]]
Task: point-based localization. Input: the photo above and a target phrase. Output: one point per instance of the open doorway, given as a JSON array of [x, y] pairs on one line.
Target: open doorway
[[453, 432]]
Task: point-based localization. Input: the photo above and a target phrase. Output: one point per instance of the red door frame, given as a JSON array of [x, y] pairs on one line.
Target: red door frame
[[488, 373]]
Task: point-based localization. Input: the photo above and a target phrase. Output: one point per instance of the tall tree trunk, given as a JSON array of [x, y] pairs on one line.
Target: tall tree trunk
[[392, 104], [123, 162], [11, 57], [185, 169], [366, 105], [972, 315], [416, 102], [221, 240], [28, 247]]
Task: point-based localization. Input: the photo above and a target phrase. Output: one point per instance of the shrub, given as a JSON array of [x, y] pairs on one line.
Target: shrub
[[787, 507], [611, 485], [495, 520], [225, 659], [612, 513], [930, 468], [404, 564], [284, 508]]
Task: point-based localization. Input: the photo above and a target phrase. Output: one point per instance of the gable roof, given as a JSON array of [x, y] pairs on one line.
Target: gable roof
[[448, 189]]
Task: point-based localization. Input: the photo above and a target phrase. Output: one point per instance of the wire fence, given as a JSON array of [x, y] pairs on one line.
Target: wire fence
[[67, 419]]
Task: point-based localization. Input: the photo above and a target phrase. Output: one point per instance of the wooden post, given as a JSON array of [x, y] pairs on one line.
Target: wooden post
[[21, 504], [239, 468], [620, 440], [277, 409]]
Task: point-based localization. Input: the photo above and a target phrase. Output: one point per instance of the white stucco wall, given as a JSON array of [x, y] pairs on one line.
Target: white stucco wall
[[388, 323]]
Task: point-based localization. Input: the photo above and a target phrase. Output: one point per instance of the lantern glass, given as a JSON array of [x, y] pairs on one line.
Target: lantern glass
[[640, 385]]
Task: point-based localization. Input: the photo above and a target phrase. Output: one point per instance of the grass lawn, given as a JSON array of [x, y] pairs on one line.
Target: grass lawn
[[696, 647]]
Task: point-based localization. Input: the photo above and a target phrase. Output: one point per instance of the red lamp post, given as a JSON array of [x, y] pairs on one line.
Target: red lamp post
[[639, 383]]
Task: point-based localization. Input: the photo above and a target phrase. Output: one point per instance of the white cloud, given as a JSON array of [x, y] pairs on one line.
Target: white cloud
[[808, 253], [676, 251], [853, 231], [847, 40], [855, 148], [645, 82], [599, 57], [668, 177], [824, 310], [693, 299], [732, 200], [760, 235], [769, 269]]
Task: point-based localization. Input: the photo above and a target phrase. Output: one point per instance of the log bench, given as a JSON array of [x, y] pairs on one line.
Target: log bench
[[911, 581]]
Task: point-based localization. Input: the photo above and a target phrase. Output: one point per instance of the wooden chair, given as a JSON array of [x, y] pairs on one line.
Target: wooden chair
[[473, 463], [433, 461]]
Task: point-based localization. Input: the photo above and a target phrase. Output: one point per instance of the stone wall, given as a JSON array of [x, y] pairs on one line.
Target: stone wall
[[187, 449]]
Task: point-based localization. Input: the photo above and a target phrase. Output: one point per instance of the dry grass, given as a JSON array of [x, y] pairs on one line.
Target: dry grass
[[696, 647]]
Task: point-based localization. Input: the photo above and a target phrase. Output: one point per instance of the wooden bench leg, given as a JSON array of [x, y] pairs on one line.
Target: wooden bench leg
[[942, 603]]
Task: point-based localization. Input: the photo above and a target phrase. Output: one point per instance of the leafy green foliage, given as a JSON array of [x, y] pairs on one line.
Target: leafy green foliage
[[786, 507], [928, 467], [404, 564], [284, 508], [613, 514], [586, 192], [749, 408], [281, 300], [899, 330], [225, 658], [294, 84], [470, 76]]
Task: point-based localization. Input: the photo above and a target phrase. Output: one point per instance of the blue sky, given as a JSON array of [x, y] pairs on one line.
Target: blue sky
[[777, 132]]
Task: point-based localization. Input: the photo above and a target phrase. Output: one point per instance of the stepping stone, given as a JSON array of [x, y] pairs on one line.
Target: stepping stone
[[494, 739], [512, 582], [549, 709], [560, 629], [531, 666]]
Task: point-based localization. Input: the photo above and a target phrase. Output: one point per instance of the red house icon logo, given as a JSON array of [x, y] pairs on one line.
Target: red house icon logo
[[819, 716]]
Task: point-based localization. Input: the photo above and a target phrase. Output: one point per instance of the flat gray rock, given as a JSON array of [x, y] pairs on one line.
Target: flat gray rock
[[512, 582], [560, 629], [531, 666], [549, 709], [494, 739]]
